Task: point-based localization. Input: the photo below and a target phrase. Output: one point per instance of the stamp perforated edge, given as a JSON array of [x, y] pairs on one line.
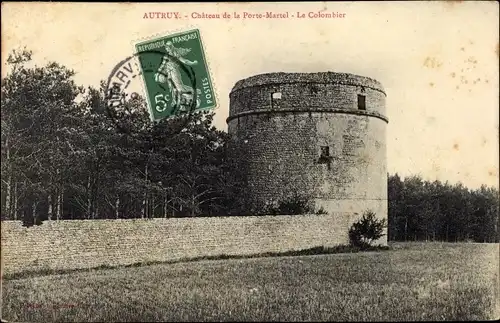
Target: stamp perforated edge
[[173, 32]]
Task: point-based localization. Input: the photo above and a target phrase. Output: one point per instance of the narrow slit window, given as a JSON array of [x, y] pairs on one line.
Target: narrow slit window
[[361, 102], [325, 157], [276, 96]]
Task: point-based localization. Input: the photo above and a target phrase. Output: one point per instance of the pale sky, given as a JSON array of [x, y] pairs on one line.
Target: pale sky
[[438, 62]]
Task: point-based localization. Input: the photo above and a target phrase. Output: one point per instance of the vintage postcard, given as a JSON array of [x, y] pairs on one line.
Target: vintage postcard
[[254, 161]]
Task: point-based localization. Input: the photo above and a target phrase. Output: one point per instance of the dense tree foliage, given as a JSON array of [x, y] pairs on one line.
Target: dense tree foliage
[[64, 156], [424, 210]]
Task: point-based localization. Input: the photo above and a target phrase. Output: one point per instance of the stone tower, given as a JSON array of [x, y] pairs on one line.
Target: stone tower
[[316, 134]]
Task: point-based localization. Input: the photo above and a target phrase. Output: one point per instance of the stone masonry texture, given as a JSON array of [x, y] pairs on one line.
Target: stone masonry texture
[[285, 121], [77, 244]]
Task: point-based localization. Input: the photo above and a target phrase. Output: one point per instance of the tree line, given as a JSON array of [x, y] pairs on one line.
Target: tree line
[[437, 211], [65, 155]]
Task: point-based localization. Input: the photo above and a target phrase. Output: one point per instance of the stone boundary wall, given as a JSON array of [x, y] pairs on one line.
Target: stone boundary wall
[[76, 244]]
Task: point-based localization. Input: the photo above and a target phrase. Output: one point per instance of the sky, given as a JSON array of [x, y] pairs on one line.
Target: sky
[[438, 62]]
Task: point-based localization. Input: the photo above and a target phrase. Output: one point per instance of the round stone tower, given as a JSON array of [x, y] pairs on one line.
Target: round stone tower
[[321, 135]]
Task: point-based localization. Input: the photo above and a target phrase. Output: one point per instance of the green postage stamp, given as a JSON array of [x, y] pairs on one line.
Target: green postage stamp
[[175, 74]]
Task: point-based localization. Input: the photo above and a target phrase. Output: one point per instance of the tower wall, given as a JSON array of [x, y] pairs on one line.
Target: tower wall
[[286, 121]]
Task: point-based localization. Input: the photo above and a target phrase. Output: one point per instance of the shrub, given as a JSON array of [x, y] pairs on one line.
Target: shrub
[[363, 232], [321, 210], [295, 204]]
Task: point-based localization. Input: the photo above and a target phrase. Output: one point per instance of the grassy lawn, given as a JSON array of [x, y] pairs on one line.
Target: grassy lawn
[[413, 281]]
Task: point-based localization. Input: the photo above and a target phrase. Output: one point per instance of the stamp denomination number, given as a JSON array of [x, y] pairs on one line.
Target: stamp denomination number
[[161, 105]]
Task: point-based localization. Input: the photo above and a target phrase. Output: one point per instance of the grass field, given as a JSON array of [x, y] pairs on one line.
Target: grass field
[[414, 281]]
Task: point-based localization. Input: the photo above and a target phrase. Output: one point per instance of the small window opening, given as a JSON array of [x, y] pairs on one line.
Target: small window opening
[[276, 96], [314, 89], [325, 157], [361, 102], [325, 151]]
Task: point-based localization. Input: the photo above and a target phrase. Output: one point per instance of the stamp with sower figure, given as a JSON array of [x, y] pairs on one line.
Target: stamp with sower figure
[[180, 82]]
